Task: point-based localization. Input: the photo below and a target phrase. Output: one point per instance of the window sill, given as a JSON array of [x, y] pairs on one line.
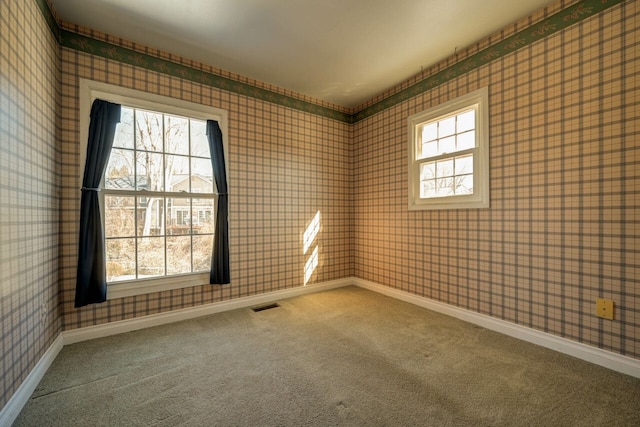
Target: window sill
[[453, 202], [147, 286]]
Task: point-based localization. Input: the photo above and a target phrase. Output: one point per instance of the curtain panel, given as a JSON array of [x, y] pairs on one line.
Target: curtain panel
[[220, 273], [91, 279]]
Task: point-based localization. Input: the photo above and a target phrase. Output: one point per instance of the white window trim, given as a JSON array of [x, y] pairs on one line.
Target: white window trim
[[91, 90], [480, 199]]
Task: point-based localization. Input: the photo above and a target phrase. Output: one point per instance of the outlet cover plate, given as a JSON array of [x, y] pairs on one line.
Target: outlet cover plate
[[604, 308]]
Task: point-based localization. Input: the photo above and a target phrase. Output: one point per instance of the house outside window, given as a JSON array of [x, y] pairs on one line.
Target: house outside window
[[449, 155]]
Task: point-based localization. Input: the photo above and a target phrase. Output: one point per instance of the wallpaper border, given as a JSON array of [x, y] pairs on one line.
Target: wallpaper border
[[557, 22], [128, 56], [48, 15]]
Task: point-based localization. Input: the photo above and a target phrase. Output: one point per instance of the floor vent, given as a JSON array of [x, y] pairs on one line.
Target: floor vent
[[265, 307]]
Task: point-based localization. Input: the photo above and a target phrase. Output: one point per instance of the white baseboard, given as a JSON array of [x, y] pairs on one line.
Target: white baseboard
[[613, 361], [12, 409], [121, 326], [607, 359]]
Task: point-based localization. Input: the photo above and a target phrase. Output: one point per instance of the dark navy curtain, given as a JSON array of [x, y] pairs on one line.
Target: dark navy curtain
[[220, 257], [91, 280]]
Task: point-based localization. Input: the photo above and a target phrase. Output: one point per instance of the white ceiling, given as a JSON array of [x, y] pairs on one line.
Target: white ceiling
[[340, 51]]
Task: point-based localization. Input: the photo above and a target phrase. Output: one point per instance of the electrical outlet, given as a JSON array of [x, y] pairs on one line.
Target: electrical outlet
[[604, 308], [43, 313]]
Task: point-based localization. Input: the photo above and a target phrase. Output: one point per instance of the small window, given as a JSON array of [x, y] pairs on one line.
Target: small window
[[449, 155]]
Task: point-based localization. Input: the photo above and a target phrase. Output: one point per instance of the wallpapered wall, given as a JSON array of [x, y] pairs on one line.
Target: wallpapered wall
[[29, 84], [284, 167], [563, 227]]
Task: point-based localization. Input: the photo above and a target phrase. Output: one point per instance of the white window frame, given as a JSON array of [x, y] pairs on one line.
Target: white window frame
[[91, 90], [477, 100]]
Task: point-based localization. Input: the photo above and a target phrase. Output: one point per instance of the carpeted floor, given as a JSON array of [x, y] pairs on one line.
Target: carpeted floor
[[346, 357]]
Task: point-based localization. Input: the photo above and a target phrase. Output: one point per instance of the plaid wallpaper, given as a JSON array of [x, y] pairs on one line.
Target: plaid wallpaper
[[284, 167], [563, 227], [29, 84]]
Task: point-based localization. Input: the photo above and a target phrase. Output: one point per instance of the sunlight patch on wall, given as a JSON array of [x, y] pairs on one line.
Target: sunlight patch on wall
[[308, 238], [311, 232], [311, 265]]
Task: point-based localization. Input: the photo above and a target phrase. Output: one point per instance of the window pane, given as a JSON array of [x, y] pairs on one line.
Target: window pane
[[464, 184], [149, 235], [199, 141], [178, 255], [177, 173], [467, 140], [150, 257], [121, 259], [447, 145], [429, 149], [148, 131], [202, 246], [124, 131], [444, 187], [178, 216], [176, 130], [430, 132], [466, 121], [464, 164], [428, 188], [150, 171], [427, 171], [444, 168], [446, 127], [203, 219], [150, 215], [119, 173], [202, 176], [119, 216]]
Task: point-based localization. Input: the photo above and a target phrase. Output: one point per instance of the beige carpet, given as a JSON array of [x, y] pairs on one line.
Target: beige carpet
[[346, 357]]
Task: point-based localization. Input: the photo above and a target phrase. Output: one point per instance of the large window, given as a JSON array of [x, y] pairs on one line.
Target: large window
[[158, 193], [449, 155], [158, 190]]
